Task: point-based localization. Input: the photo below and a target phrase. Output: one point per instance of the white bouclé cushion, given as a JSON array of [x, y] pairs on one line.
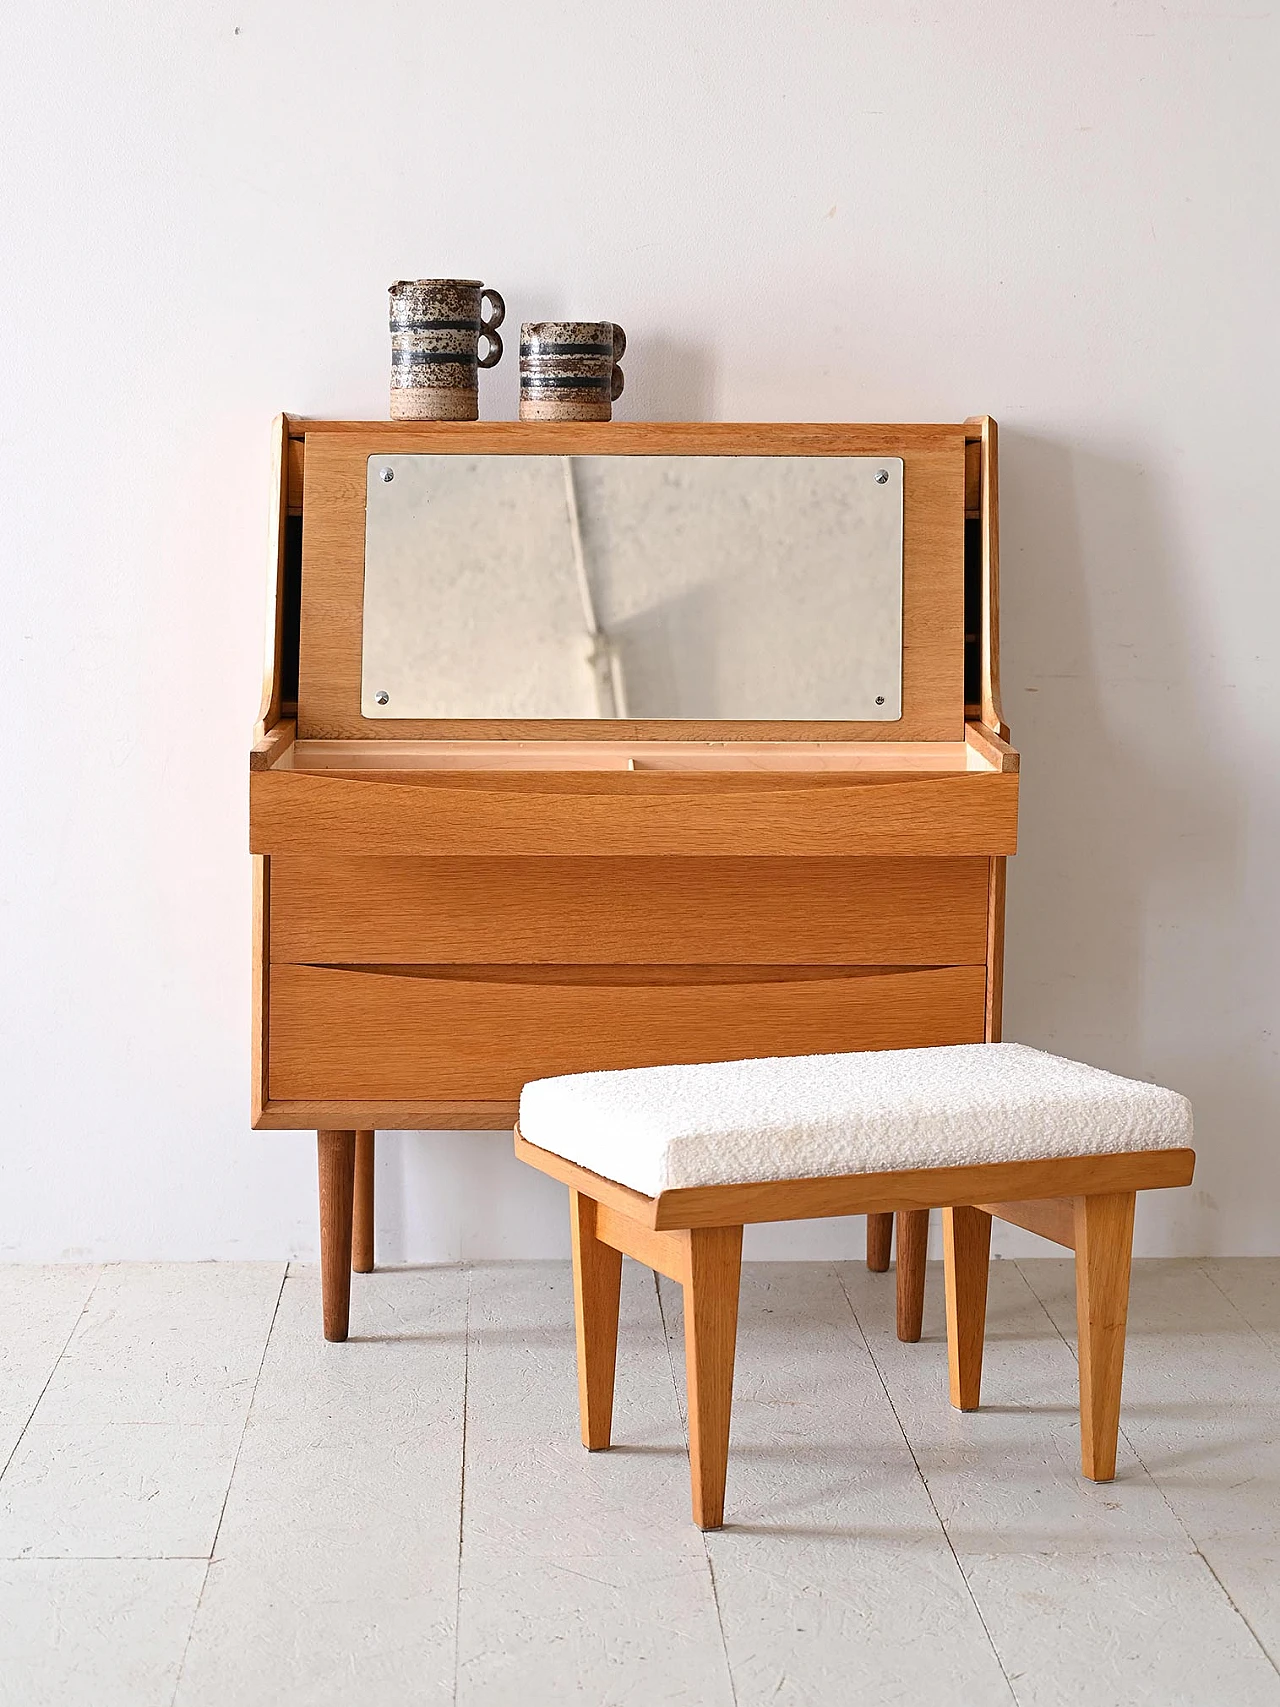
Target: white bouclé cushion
[[805, 1116]]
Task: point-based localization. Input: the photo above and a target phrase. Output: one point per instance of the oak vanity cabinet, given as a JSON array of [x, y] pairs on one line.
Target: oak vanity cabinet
[[448, 906]]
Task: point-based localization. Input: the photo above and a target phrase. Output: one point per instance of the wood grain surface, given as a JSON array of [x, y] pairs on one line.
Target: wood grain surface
[[906, 912], [862, 1194], [966, 1249], [609, 812], [404, 1114], [711, 1292], [479, 1033], [1051, 1218], [597, 1280], [1104, 1246], [333, 566]]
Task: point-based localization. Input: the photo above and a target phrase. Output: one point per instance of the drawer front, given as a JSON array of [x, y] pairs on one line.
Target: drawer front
[[434, 1034], [819, 912], [615, 813]]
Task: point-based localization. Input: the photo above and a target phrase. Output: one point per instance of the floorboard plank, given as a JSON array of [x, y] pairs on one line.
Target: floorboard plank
[[130, 1449], [832, 1561], [166, 1343], [335, 1575], [1253, 1286], [1091, 1592], [582, 1575], [1201, 1408], [94, 1632], [40, 1304]]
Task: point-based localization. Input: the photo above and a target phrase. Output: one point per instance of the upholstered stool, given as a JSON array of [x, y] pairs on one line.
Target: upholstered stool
[[667, 1164]]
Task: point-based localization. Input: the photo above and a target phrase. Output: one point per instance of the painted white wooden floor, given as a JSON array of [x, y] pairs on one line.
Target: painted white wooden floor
[[203, 1504]]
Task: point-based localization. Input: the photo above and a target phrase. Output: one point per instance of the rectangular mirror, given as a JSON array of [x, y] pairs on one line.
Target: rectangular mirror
[[633, 586]]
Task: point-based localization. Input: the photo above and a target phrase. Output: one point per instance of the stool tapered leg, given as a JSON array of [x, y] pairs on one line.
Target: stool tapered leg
[[710, 1338], [879, 1242], [597, 1287], [966, 1247], [362, 1206], [913, 1250], [337, 1157], [1104, 1247]]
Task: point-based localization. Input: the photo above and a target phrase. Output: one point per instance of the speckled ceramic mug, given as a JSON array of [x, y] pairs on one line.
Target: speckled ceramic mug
[[569, 369], [436, 325]]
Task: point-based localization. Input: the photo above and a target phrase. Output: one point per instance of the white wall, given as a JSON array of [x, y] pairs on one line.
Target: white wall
[[1065, 215]]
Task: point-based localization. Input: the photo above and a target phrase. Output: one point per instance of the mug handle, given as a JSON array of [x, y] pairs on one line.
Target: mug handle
[[489, 327], [619, 350]]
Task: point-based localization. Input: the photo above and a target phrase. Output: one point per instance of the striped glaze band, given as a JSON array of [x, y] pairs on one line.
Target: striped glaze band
[[569, 369], [436, 326]]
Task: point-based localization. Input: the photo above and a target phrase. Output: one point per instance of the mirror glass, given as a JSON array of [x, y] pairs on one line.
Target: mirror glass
[[633, 586]]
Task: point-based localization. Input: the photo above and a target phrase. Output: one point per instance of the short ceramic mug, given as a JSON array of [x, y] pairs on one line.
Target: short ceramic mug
[[436, 325], [569, 369]]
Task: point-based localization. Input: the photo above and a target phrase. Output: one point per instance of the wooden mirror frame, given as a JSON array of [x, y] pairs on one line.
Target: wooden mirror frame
[[331, 457]]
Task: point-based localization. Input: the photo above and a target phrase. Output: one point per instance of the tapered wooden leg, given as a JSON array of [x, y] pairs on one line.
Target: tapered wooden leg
[[913, 1250], [710, 1338], [337, 1188], [1104, 1246], [597, 1285], [362, 1206], [966, 1251], [879, 1242]]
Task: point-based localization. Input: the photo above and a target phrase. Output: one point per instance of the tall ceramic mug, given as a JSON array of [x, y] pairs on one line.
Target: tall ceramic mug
[[436, 325], [569, 369]]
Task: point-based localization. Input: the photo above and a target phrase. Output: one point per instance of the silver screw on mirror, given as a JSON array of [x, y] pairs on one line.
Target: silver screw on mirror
[[383, 698], [882, 474], [386, 473]]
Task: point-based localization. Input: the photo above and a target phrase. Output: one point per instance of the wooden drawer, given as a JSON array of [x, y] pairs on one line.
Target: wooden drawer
[[819, 912], [436, 1033], [576, 814]]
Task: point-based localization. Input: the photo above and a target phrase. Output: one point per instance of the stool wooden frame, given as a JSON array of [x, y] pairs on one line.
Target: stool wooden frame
[[694, 1235], [448, 908]]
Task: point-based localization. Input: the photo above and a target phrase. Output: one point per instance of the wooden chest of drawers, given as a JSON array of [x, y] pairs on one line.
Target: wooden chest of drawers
[[448, 910]]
